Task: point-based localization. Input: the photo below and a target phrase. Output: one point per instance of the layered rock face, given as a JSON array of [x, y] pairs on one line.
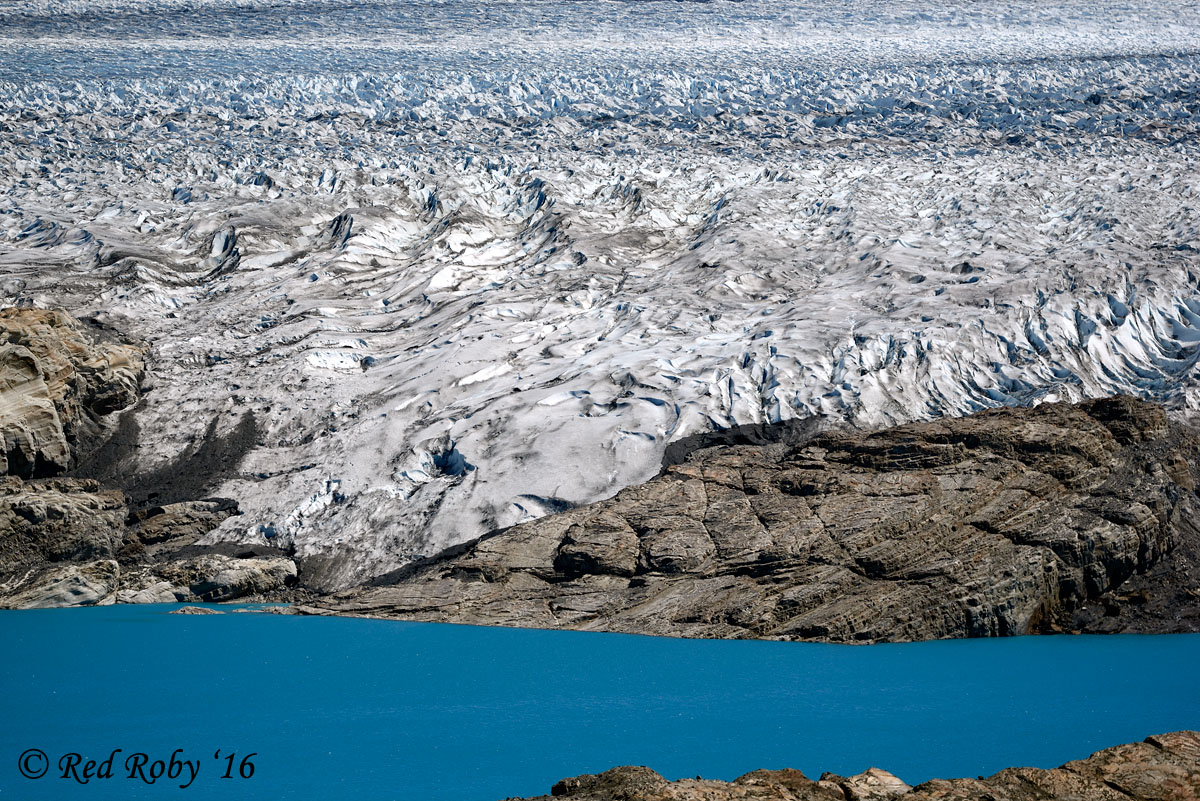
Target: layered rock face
[[68, 541], [1162, 767], [1012, 521], [55, 385]]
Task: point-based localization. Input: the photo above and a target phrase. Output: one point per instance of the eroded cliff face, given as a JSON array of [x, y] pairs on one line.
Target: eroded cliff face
[[69, 541], [56, 384], [1055, 518], [1162, 767]]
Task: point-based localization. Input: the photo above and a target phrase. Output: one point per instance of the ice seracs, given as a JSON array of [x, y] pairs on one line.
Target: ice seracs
[[565, 239]]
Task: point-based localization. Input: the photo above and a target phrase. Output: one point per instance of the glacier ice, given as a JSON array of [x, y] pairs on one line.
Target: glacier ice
[[465, 263]]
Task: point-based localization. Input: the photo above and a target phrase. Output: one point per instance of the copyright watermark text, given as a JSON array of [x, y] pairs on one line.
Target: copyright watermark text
[[177, 768]]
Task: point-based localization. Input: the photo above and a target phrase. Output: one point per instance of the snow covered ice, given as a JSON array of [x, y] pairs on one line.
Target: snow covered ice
[[457, 264]]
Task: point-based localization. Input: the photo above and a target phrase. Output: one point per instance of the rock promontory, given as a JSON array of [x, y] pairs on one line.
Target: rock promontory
[[1011, 521], [1161, 768]]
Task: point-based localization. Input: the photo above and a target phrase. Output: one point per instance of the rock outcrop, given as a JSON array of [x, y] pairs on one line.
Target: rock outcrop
[[196, 610], [67, 541], [1162, 767], [56, 382], [1011, 521]]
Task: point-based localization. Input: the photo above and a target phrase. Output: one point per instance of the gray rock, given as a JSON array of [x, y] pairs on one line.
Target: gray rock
[[72, 584], [161, 592], [212, 577]]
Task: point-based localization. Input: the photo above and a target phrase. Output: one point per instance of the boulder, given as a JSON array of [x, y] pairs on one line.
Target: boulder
[[872, 784]]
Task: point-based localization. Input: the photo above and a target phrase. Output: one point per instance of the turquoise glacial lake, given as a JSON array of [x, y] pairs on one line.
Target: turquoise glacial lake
[[372, 710]]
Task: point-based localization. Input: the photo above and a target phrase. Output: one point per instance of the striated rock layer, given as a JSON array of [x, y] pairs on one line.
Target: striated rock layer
[[1059, 517], [1165, 766]]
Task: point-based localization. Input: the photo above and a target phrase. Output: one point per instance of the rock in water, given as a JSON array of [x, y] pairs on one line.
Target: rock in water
[[1010, 521], [1166, 766], [196, 610]]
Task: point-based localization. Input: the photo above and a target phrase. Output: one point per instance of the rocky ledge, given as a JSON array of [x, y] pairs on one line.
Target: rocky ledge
[[67, 541], [1012, 521], [1163, 767]]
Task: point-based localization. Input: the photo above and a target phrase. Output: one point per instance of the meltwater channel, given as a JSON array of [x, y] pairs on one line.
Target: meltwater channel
[[340, 708]]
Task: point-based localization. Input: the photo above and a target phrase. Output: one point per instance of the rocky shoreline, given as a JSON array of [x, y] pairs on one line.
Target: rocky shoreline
[[1162, 767]]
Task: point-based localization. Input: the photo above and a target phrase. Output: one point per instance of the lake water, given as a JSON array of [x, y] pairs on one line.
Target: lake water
[[374, 710]]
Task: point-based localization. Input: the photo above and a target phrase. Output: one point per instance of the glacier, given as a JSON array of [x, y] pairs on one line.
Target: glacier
[[448, 266]]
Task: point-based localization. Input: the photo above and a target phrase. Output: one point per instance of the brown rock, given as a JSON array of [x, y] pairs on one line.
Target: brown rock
[[605, 544], [55, 383], [196, 610], [627, 783], [187, 520], [1162, 767]]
